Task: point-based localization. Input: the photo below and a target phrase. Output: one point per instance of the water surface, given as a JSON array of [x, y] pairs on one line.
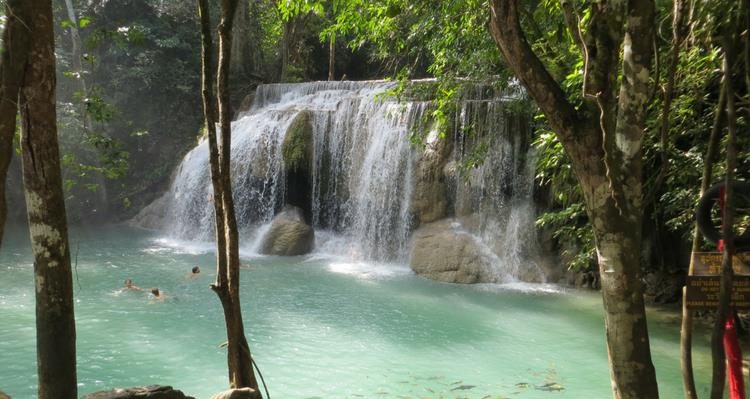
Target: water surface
[[319, 327]]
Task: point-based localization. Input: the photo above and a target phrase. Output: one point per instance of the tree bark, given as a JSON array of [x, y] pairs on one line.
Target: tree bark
[[686, 328], [55, 323], [678, 36], [331, 57], [226, 286], [76, 46], [727, 273], [603, 140], [247, 57], [16, 39]]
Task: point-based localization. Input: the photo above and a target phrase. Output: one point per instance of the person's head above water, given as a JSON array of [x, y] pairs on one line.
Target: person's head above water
[[196, 269], [155, 291], [129, 285]]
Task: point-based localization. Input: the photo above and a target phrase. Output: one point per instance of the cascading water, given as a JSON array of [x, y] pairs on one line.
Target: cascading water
[[364, 172], [497, 201]]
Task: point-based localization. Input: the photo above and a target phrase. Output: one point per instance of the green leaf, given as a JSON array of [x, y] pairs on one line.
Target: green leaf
[[84, 22]]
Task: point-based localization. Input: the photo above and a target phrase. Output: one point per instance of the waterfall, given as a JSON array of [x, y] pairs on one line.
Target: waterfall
[[364, 171]]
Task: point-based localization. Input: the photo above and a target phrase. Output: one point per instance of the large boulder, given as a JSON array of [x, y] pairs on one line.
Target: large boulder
[[443, 251], [288, 235], [147, 392]]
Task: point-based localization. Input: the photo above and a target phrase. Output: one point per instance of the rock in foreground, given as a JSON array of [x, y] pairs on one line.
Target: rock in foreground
[[147, 392], [241, 393]]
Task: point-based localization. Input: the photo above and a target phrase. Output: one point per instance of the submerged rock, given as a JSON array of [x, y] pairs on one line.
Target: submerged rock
[[241, 393], [443, 252], [288, 235], [147, 392], [3, 395]]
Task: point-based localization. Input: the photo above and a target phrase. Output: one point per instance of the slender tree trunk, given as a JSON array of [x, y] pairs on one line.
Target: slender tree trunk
[[603, 140], [76, 46], [727, 273], [16, 39], [226, 286], [332, 57], [75, 39], [55, 323], [678, 36], [285, 51], [242, 374], [686, 329]]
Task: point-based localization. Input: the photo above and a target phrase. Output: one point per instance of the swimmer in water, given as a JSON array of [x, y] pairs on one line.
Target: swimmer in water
[[194, 272], [129, 286], [157, 294]]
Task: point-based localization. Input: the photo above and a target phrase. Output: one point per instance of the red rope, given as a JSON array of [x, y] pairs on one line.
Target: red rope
[[731, 341]]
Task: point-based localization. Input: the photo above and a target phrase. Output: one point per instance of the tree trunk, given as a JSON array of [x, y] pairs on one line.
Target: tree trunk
[[241, 375], [76, 45], [247, 57], [603, 140], [55, 323], [727, 233], [331, 57], [15, 49], [226, 286], [686, 328], [285, 49]]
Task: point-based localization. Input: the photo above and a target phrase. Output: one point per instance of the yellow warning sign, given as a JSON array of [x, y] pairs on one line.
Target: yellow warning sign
[[710, 263]]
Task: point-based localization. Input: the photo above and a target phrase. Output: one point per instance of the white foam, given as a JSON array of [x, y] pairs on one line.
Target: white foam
[[178, 246]]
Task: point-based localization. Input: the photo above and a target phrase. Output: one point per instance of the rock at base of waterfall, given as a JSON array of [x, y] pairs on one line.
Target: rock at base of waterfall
[[153, 216], [288, 235], [442, 252], [147, 392], [241, 393]]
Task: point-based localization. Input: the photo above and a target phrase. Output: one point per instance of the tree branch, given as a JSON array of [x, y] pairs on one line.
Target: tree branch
[[625, 147], [546, 92], [573, 23]]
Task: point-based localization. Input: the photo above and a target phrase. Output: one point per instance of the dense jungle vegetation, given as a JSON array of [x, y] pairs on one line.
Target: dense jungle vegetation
[[631, 100]]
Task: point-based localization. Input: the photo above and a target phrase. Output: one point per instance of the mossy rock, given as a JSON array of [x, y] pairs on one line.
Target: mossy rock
[[298, 143]]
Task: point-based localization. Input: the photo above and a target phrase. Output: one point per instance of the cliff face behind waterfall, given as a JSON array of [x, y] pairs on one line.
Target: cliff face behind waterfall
[[343, 153]]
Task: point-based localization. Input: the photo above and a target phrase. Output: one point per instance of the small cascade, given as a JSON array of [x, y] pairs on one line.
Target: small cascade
[[368, 187], [495, 200]]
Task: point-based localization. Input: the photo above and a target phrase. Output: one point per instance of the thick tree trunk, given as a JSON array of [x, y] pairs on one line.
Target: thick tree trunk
[[618, 241], [55, 323], [603, 140], [16, 39]]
